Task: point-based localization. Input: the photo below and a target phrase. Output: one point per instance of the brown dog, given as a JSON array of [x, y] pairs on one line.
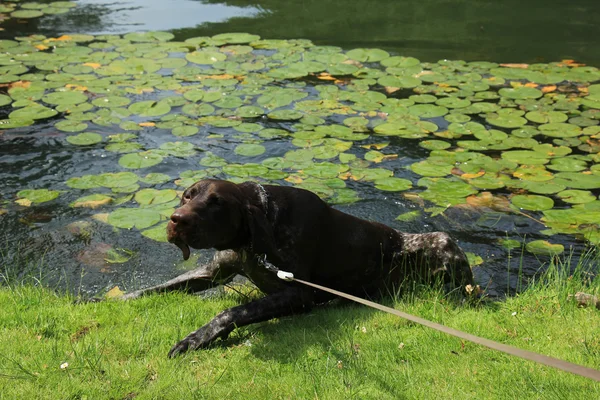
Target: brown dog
[[296, 231]]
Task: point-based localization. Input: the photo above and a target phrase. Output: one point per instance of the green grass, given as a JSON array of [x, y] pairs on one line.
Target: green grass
[[117, 350]]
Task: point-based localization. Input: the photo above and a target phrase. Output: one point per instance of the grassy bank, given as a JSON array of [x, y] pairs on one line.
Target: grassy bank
[[117, 350]]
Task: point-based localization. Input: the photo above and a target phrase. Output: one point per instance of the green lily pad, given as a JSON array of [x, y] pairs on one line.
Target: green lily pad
[[567, 164], [532, 202], [205, 57], [544, 117], [431, 168], [434, 144], [150, 196], [578, 180], [178, 149], [521, 93], [236, 38], [111, 101], [71, 126], [249, 150], [157, 233], [367, 55], [26, 14], [150, 108], [184, 131], [38, 195], [505, 121], [110, 180], [65, 98], [525, 157], [140, 160], [392, 184], [155, 178], [85, 139], [128, 218], [32, 112], [510, 244], [576, 196], [409, 216], [428, 110], [286, 115], [560, 130], [543, 247]]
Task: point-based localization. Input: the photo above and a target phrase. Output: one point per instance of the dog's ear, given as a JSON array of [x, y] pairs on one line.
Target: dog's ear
[[261, 233]]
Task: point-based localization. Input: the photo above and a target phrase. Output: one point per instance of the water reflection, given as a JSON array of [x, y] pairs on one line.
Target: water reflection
[[135, 15]]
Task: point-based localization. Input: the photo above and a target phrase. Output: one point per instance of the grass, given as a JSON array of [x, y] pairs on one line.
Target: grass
[[117, 350]]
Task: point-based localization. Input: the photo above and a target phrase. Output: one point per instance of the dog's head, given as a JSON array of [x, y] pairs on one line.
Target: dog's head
[[210, 215], [222, 215]]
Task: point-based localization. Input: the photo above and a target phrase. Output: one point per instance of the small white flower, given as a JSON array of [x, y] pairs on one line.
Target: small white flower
[[514, 314], [64, 365]]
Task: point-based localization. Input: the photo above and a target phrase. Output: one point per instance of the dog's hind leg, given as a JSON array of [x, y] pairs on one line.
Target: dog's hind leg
[[220, 270]]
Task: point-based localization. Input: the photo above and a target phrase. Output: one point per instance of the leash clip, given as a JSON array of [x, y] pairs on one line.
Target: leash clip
[[286, 276]]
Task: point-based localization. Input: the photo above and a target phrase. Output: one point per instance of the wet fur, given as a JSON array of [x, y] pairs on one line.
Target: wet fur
[[297, 232]]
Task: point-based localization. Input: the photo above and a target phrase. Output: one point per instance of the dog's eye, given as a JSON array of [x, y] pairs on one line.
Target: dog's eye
[[214, 199]]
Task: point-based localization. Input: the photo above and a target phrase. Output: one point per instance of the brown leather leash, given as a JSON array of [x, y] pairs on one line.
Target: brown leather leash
[[525, 354]]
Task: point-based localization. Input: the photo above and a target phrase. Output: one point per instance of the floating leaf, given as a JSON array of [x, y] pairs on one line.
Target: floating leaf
[[140, 160], [149, 196], [532, 202], [249, 150], [158, 233], [409, 216], [155, 178], [205, 57], [576, 196], [92, 201], [38, 195], [392, 184], [85, 139], [367, 55], [236, 38], [128, 218], [543, 247], [150, 108]]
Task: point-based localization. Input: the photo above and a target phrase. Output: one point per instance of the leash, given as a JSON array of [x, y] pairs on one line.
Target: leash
[[525, 354]]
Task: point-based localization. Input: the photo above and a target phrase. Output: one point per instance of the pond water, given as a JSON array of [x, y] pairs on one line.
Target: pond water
[[497, 155]]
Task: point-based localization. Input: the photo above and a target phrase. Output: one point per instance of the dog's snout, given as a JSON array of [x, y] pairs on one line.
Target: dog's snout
[[181, 218]]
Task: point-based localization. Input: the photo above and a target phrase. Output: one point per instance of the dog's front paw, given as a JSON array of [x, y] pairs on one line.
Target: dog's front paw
[[180, 347], [195, 340]]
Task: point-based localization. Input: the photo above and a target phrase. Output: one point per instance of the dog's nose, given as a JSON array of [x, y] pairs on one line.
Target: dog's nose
[[179, 217]]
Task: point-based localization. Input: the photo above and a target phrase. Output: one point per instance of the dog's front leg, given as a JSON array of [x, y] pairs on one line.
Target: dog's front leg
[[292, 300], [220, 270]]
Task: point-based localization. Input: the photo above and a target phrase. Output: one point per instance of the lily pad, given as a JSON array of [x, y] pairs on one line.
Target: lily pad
[[146, 197], [392, 184], [543, 247], [205, 57], [128, 218], [367, 55], [236, 38], [38, 195], [140, 160], [532, 202], [92, 201], [85, 139], [249, 150], [157, 233], [576, 196]]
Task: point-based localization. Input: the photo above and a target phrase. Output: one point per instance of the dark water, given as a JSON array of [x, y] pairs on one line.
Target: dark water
[[499, 31], [44, 241]]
